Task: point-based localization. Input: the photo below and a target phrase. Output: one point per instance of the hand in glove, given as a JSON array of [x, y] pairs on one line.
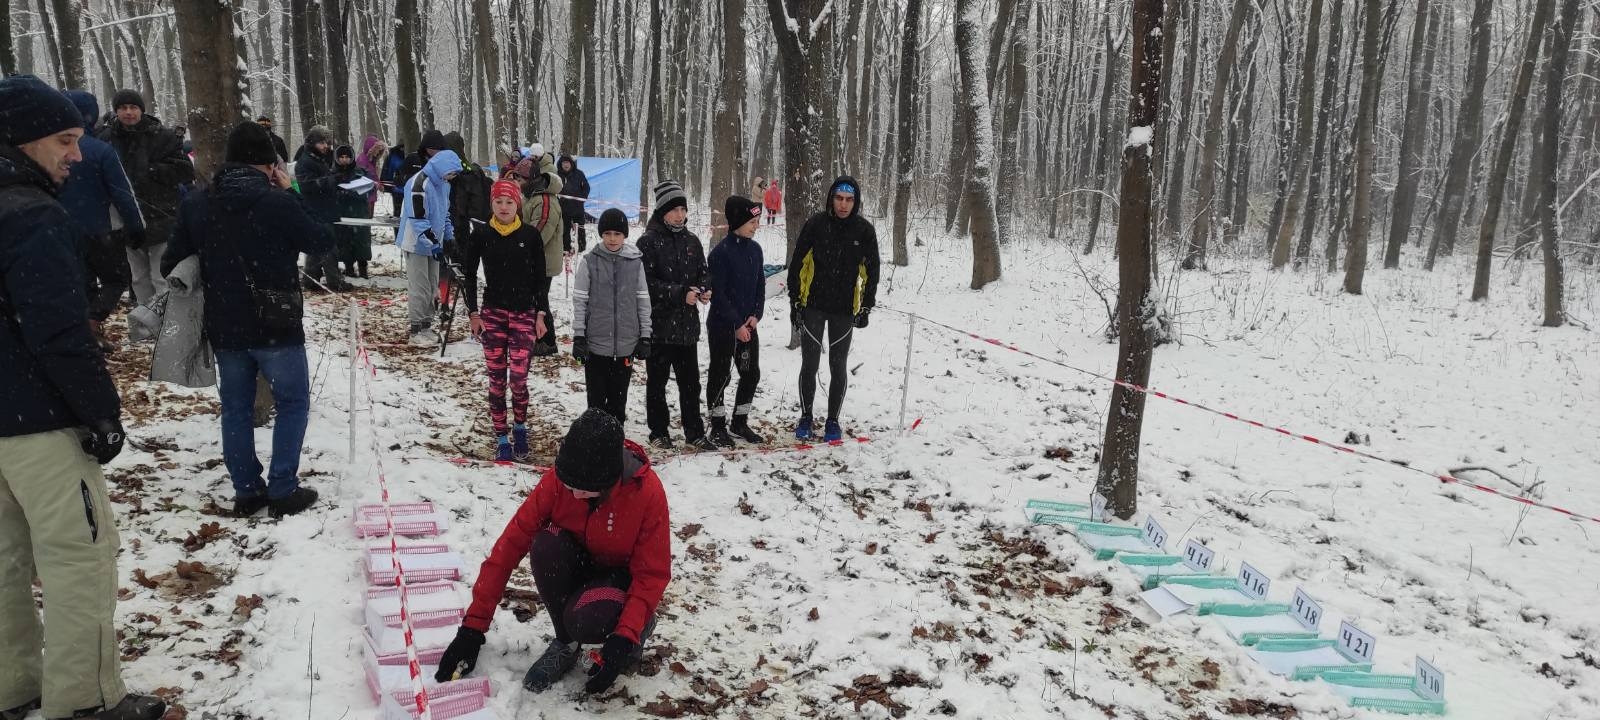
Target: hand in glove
[[795, 315], [641, 349], [861, 317], [103, 441], [608, 666], [580, 348], [461, 657]]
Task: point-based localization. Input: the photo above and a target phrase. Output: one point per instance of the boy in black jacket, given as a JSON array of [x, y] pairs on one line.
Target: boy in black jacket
[[675, 269], [739, 282]]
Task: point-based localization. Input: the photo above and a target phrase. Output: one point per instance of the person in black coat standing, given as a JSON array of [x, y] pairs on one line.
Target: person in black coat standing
[[574, 184], [248, 230], [278, 145], [59, 420], [313, 171], [675, 270], [153, 158]]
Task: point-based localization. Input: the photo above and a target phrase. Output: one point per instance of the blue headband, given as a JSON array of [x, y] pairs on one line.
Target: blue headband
[[846, 188]]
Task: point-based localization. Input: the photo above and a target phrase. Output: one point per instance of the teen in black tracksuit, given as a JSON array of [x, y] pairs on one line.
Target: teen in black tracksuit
[[739, 300], [675, 270], [833, 284], [575, 184]]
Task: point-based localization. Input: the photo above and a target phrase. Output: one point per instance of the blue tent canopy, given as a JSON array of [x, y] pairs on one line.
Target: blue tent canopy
[[613, 182]]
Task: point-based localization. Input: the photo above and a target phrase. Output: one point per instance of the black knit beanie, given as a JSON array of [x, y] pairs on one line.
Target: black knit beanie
[[432, 140], [590, 457], [669, 195], [250, 144], [740, 210], [31, 109], [128, 97], [613, 220]]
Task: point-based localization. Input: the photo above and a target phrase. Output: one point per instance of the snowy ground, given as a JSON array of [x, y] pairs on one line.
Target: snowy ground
[[898, 577]]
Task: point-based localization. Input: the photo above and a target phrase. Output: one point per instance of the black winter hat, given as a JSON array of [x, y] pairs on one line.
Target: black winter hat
[[613, 220], [250, 144], [31, 109], [127, 97], [740, 211], [432, 140], [669, 195], [590, 457], [344, 151]]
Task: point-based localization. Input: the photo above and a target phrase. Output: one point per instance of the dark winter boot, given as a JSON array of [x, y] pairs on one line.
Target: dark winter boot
[[557, 660], [502, 449], [741, 429], [662, 442], [719, 437], [361, 267], [247, 506], [21, 711], [519, 442], [701, 444], [132, 707], [292, 504]]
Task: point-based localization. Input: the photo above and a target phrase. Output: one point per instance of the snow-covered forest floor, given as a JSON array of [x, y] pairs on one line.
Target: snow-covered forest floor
[[899, 576]]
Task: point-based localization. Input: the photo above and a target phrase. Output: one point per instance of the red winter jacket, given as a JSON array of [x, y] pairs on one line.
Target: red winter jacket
[[774, 197], [640, 539]]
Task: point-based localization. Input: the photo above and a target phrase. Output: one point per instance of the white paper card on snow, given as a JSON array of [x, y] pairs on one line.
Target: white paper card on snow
[[1154, 534], [1306, 610], [1430, 682], [1252, 582], [1356, 643], [1197, 556]]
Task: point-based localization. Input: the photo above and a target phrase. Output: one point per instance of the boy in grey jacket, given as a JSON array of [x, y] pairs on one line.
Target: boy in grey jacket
[[610, 315]]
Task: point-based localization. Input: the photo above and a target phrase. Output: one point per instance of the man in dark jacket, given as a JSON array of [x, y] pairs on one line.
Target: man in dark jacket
[[390, 177], [740, 301], [60, 421], [675, 270], [833, 284], [432, 142], [278, 145], [153, 158], [99, 199], [313, 171], [469, 193], [248, 231], [574, 184]]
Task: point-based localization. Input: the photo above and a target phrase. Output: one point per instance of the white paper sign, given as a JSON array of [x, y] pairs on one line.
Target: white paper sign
[[1355, 642], [1306, 610], [1197, 556], [1430, 682], [1252, 582], [360, 184], [1153, 533]]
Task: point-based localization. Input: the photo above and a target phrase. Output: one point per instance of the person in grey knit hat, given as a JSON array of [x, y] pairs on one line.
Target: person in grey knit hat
[[675, 269]]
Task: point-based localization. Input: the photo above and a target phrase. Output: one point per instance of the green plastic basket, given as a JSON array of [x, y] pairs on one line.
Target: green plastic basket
[[1057, 507], [1244, 610], [1375, 681], [1309, 672]]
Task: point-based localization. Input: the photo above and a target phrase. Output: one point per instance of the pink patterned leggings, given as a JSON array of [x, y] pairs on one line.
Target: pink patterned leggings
[[507, 347]]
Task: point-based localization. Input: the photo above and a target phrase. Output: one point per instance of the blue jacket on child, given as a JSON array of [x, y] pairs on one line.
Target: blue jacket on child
[[738, 284]]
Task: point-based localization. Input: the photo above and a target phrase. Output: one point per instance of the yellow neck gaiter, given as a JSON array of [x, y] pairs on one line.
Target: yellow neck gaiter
[[506, 229]]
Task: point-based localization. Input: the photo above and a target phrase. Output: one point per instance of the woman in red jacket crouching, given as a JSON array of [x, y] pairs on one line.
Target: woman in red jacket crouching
[[596, 533]]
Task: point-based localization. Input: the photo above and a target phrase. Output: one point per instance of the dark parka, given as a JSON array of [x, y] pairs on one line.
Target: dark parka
[[54, 374], [575, 184], [152, 156], [351, 243], [243, 218], [313, 173], [674, 262], [469, 191], [97, 183], [835, 264]]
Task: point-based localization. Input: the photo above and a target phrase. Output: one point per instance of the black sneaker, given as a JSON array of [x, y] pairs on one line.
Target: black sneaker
[[132, 707], [662, 442], [542, 350], [246, 506], [556, 661], [292, 504], [719, 434], [741, 429], [702, 444], [21, 711]]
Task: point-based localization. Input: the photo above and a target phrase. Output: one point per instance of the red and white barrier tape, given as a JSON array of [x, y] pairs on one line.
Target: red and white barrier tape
[[1441, 477]]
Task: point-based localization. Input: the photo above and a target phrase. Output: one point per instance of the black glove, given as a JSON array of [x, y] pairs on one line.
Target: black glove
[[861, 317], [613, 655], [795, 315], [103, 440], [462, 655], [134, 238], [641, 349], [580, 348]]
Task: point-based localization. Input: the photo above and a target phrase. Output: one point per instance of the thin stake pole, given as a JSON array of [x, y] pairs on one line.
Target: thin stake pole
[[355, 360], [905, 381]]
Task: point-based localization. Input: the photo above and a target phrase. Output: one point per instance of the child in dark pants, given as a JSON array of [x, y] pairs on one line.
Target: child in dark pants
[[737, 302], [610, 315], [514, 311]]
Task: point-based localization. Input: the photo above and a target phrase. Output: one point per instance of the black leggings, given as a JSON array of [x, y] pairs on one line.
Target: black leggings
[[838, 328], [584, 599]]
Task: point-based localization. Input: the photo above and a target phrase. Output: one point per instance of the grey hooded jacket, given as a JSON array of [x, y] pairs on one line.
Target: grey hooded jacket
[[610, 300], [182, 354]]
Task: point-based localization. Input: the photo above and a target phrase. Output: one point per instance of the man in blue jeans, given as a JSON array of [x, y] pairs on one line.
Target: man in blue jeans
[[249, 231]]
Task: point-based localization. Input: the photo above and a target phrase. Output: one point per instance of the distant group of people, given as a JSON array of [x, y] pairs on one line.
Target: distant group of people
[[232, 244]]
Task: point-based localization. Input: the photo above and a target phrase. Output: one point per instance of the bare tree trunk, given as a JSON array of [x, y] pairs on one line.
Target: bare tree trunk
[[1103, 148], [70, 41], [1468, 137], [305, 66], [206, 34], [591, 90], [650, 155], [1019, 58], [1176, 174], [8, 50], [407, 116], [1549, 222], [1206, 185], [1410, 176], [52, 46], [1302, 139], [959, 140], [336, 29], [1495, 194], [1324, 142], [489, 50], [1117, 485], [1236, 192], [980, 185], [726, 176], [906, 148], [1355, 259], [580, 23]]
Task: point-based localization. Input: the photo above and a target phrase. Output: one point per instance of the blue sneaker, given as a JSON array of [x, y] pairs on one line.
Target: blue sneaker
[[519, 442], [831, 432], [802, 430], [502, 450]]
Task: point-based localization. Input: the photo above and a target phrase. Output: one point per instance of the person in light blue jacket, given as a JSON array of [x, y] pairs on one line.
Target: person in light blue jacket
[[424, 230]]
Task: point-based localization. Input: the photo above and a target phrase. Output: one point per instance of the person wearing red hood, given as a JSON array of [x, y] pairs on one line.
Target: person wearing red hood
[[598, 538]]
